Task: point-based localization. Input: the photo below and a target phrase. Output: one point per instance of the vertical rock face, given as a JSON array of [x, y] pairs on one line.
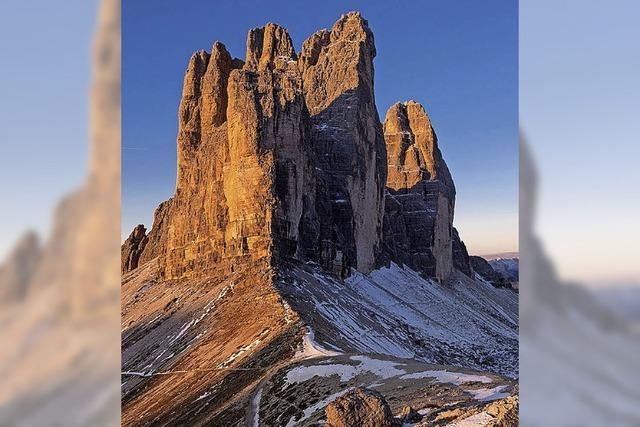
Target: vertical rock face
[[461, 259], [420, 195], [284, 156], [190, 236], [346, 136], [268, 153], [132, 248], [278, 156]]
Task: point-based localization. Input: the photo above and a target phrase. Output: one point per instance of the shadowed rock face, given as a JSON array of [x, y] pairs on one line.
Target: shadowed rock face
[[281, 159], [133, 247], [420, 195], [461, 259], [348, 146]]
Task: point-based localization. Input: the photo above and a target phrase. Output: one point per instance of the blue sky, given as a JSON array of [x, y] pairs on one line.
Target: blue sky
[[44, 87], [460, 59]]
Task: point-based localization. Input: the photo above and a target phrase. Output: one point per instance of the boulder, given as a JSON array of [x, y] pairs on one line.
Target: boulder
[[360, 407]]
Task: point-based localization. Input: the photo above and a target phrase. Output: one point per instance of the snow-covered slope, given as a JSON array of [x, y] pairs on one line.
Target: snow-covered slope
[[508, 267], [397, 312]]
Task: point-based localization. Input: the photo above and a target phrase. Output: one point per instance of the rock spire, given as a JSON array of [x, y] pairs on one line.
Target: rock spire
[[283, 156]]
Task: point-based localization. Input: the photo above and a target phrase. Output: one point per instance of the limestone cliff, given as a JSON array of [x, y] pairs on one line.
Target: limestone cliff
[[284, 156], [348, 144], [420, 194], [132, 248], [278, 156]]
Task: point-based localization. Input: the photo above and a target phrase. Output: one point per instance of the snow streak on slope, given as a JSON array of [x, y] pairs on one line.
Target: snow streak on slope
[[397, 312]]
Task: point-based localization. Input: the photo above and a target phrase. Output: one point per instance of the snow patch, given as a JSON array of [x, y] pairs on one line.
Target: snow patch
[[203, 395], [381, 368], [445, 376], [255, 407], [395, 311], [478, 420], [311, 349]]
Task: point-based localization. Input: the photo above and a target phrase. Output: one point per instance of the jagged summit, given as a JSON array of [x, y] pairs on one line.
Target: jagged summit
[[413, 154], [284, 156], [266, 44], [278, 156]]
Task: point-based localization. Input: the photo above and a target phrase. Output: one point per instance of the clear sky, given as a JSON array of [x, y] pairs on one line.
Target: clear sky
[[459, 59], [44, 94]]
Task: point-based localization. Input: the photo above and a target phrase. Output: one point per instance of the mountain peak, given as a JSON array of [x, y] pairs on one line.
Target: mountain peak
[[266, 44]]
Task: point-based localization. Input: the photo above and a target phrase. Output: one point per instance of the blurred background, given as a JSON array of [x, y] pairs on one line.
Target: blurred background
[[579, 234], [60, 228]]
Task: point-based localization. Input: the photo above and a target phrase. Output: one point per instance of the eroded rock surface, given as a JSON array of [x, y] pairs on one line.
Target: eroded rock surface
[[349, 151], [420, 194], [369, 390], [278, 156], [132, 248], [461, 259], [360, 407]]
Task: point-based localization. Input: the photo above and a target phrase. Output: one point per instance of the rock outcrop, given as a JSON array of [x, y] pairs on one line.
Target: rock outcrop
[[132, 248], [461, 260], [348, 144], [420, 194], [409, 415], [283, 156]]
